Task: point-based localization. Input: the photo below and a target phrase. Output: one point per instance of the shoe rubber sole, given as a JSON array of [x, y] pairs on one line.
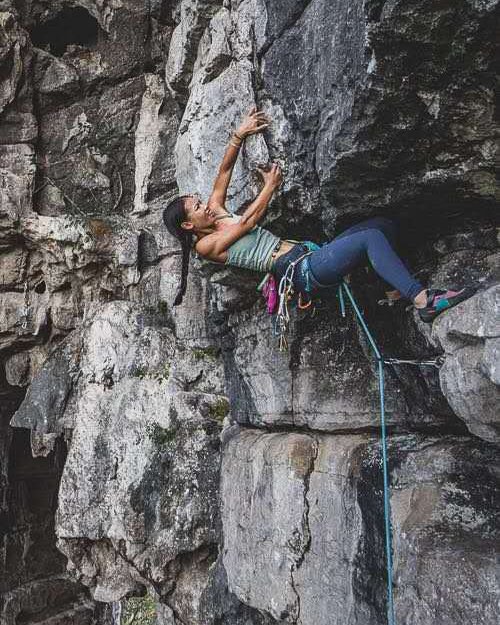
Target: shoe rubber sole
[[429, 313]]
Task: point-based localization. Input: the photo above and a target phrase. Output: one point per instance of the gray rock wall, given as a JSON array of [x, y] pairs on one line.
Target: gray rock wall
[[308, 513], [176, 450]]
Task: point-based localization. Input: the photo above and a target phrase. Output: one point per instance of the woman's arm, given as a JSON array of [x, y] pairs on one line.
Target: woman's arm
[[214, 245], [256, 210], [254, 122], [221, 184]]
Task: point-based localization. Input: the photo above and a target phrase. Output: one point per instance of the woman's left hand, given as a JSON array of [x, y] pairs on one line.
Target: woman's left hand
[[254, 121]]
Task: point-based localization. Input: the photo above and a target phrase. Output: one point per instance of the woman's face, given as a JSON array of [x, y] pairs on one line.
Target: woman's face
[[198, 215]]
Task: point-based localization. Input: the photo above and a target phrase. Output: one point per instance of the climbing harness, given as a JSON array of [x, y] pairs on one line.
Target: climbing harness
[[285, 293]]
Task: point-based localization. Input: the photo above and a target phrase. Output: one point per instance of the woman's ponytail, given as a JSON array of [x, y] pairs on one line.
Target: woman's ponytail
[[173, 215], [186, 242]]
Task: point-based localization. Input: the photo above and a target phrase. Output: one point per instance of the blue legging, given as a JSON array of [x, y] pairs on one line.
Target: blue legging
[[374, 239]]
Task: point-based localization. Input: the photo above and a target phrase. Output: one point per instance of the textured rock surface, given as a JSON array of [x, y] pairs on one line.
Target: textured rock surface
[[177, 450], [304, 541], [470, 376]]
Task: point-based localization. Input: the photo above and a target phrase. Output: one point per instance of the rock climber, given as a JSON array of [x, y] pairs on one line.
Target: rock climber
[[227, 238]]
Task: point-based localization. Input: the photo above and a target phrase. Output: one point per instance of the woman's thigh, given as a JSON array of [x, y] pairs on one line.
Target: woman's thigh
[[348, 250], [338, 258], [384, 224]]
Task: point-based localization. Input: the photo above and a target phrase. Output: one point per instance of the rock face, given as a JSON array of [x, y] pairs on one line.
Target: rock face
[[470, 337], [143, 461], [176, 450], [306, 511]]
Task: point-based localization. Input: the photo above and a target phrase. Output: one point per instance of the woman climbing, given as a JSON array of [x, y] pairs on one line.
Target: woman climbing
[[223, 237]]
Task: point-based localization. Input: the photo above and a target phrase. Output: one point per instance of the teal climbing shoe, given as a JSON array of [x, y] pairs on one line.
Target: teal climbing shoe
[[439, 300]]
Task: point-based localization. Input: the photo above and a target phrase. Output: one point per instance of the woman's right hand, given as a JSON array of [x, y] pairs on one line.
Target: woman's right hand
[[272, 175], [254, 121]]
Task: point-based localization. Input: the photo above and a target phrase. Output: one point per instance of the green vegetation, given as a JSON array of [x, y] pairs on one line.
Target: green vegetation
[[141, 372], [139, 611], [160, 436], [220, 409], [163, 373], [205, 352], [162, 307]]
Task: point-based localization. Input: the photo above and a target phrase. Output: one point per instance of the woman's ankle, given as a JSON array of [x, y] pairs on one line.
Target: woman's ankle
[[420, 300]]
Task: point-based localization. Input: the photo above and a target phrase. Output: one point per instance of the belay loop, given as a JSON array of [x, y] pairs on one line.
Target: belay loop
[[303, 305]]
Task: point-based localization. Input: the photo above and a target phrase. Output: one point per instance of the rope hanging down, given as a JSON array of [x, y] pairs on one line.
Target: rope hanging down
[[282, 322], [381, 384], [387, 510]]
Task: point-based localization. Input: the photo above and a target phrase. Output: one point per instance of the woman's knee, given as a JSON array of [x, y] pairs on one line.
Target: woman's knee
[[377, 236], [387, 228], [384, 223]]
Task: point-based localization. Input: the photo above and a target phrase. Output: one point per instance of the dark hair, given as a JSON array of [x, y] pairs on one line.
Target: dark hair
[[173, 215]]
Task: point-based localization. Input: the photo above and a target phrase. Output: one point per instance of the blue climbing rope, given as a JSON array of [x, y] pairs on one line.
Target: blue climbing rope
[[281, 328], [387, 504]]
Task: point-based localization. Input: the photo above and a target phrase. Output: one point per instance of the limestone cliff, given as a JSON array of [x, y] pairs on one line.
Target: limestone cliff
[[176, 450]]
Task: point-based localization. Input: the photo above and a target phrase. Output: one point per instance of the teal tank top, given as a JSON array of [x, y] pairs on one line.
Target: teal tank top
[[253, 250]]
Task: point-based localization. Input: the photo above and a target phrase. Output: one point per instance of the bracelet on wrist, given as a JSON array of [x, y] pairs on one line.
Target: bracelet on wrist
[[235, 134], [236, 145]]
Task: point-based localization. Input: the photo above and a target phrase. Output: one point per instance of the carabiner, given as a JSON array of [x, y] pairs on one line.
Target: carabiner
[[303, 306]]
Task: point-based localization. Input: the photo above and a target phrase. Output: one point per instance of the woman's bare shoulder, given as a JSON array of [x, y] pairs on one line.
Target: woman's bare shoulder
[[205, 244], [205, 248]]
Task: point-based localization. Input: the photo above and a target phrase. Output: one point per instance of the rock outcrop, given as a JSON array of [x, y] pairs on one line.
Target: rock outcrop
[[304, 539], [175, 450], [470, 337]]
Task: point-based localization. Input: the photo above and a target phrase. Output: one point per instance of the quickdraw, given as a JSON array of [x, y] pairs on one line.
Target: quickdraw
[[436, 362]]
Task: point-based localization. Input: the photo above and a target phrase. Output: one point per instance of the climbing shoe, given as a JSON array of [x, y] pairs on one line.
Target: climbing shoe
[[439, 300]]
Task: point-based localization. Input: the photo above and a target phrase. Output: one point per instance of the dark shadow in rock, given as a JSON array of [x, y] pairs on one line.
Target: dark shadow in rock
[[70, 26]]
